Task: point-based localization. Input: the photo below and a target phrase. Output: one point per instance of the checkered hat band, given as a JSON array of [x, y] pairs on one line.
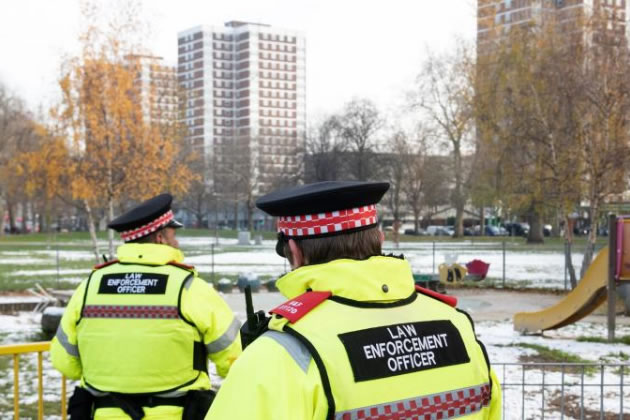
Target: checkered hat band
[[325, 223], [130, 235]]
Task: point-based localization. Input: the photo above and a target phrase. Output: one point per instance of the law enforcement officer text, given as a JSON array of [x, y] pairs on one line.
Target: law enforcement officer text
[[133, 283], [400, 349], [406, 349]]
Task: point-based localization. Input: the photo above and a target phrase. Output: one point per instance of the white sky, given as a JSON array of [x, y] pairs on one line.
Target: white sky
[[355, 48]]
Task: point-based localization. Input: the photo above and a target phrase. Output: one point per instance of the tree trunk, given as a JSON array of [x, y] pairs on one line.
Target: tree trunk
[[92, 230], [11, 212], [250, 214], [395, 234], [236, 215], [459, 193], [535, 228], [110, 232], [568, 260], [416, 220], [482, 222], [592, 238], [459, 219], [2, 221]]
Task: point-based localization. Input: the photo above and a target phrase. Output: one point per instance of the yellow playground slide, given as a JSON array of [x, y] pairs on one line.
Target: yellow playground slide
[[581, 301]]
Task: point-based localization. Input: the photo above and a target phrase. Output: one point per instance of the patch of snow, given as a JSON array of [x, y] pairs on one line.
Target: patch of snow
[[50, 272], [22, 261]]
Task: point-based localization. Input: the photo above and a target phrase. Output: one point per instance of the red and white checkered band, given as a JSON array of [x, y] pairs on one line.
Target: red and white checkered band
[[130, 235], [131, 311], [324, 223], [445, 405]]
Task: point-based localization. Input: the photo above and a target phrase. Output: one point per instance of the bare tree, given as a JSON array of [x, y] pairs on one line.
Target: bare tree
[[444, 95], [359, 124], [396, 171], [413, 186], [324, 149]]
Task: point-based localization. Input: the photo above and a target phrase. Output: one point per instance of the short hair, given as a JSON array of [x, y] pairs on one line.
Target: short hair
[[151, 238], [357, 245]]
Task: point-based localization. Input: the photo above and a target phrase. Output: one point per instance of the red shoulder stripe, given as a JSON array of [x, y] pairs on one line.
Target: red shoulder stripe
[[182, 265], [105, 264], [296, 308], [449, 300]]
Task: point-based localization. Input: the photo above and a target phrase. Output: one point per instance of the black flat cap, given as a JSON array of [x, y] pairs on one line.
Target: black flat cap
[[146, 218], [323, 208]]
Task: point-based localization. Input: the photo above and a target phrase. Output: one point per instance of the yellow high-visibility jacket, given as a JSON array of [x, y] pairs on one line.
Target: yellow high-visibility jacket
[[145, 324], [375, 349]]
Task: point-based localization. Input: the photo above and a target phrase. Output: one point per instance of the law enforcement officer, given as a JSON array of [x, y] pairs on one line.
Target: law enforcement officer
[[356, 338], [138, 332]]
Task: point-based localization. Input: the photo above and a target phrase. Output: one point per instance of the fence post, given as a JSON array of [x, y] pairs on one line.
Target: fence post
[[612, 266], [212, 262], [566, 268], [433, 268], [504, 263], [57, 259]]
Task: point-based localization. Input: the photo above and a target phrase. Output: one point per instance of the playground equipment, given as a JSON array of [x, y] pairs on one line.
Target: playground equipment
[[592, 289]]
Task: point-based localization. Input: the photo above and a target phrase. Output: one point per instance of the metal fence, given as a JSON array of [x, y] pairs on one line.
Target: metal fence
[[512, 262], [565, 390]]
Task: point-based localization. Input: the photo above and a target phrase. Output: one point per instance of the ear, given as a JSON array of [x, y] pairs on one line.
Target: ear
[[382, 236], [159, 237], [296, 254]]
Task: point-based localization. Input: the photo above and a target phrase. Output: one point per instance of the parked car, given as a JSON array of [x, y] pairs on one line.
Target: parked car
[[470, 231], [419, 232], [444, 231], [547, 229], [492, 231], [516, 228]]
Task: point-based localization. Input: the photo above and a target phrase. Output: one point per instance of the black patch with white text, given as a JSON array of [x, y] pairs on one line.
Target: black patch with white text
[[397, 349], [133, 284]]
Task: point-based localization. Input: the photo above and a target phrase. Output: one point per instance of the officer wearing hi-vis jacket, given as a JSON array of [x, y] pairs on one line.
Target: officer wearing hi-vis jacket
[[356, 339], [139, 331]]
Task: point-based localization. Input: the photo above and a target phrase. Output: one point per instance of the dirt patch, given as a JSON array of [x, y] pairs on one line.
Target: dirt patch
[[571, 407]]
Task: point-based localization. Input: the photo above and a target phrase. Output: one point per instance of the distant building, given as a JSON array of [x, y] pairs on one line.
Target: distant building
[[245, 104], [157, 85], [496, 18]]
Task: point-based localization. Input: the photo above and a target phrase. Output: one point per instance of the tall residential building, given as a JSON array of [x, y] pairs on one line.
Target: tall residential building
[[496, 17], [157, 85], [245, 105]]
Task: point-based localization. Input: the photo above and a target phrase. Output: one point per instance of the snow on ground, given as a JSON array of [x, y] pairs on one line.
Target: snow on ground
[[498, 336], [523, 267], [538, 269], [22, 261], [52, 272]]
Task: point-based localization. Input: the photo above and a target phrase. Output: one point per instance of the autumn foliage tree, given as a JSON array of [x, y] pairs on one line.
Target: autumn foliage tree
[[115, 152], [552, 107]]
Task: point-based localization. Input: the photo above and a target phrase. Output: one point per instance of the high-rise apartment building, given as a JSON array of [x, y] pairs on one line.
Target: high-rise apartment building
[[496, 17], [245, 104], [156, 83]]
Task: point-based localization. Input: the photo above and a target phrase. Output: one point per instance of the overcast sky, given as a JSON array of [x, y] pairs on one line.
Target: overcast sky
[[355, 48]]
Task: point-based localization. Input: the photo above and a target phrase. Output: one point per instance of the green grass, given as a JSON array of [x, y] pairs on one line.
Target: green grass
[[548, 355], [590, 339], [553, 355]]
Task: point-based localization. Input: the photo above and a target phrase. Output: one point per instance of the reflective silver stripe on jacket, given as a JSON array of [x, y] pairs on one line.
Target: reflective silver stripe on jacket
[[444, 405], [71, 349], [226, 339], [293, 346]]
